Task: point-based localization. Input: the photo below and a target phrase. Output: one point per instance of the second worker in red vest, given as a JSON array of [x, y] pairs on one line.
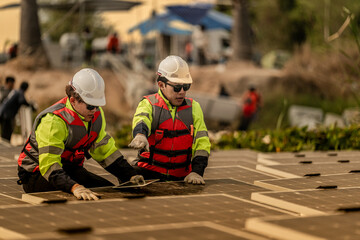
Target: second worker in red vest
[[169, 128]]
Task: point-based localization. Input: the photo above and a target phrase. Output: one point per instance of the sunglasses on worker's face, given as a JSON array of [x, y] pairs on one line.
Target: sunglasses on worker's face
[[177, 88], [90, 107]]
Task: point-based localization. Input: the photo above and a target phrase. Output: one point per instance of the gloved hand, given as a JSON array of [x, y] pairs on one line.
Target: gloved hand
[[140, 141], [194, 178], [80, 192], [137, 179]]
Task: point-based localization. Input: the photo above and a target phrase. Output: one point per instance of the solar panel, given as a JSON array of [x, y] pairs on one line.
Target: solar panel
[[238, 153], [216, 210], [300, 170], [8, 170], [311, 202], [212, 186], [236, 172], [331, 226], [231, 162], [339, 180], [307, 154], [310, 160], [124, 214], [8, 186]]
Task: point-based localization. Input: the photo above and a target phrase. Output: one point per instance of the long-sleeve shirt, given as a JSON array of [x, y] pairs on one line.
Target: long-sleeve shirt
[[52, 132]]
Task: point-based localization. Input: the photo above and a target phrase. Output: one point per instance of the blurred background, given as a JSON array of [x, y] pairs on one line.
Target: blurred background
[[301, 56]]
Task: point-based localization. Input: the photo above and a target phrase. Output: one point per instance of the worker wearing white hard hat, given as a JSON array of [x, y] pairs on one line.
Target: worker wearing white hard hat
[[169, 128], [67, 133]]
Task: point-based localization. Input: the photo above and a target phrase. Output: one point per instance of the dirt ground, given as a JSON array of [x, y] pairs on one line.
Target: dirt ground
[[48, 86]]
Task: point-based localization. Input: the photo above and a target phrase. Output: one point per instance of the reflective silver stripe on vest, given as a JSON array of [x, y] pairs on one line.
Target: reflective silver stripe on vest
[[46, 111], [28, 164], [67, 116], [143, 114], [202, 153], [52, 168], [104, 141], [153, 99], [159, 115], [110, 159], [185, 115], [51, 149], [200, 134]]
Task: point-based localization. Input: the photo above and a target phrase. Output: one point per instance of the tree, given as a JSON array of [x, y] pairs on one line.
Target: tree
[[241, 31], [31, 50], [59, 22]]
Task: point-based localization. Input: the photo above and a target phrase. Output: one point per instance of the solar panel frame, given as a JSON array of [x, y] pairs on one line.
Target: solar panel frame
[[310, 202], [344, 180]]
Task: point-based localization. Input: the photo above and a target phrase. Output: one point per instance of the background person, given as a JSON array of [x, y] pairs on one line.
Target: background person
[[67, 132], [10, 107], [113, 45], [169, 128], [13, 51], [87, 38], [7, 88], [200, 42], [250, 107]]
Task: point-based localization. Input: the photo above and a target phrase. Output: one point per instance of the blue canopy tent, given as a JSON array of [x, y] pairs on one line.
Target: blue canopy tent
[[211, 20], [216, 20], [159, 23], [192, 13]]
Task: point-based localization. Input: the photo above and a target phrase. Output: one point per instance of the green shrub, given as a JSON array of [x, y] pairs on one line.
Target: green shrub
[[284, 140], [292, 139], [123, 136]]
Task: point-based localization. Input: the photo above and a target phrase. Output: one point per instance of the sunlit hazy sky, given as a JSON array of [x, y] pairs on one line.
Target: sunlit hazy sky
[[122, 20]]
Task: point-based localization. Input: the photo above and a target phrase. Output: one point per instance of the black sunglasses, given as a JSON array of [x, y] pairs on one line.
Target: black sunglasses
[[90, 107], [177, 88]]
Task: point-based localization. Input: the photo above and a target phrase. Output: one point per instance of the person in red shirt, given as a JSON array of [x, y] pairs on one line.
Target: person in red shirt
[[13, 51], [113, 44], [251, 104]]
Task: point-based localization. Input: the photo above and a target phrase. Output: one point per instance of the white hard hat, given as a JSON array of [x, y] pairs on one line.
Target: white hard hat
[[90, 86], [175, 69]]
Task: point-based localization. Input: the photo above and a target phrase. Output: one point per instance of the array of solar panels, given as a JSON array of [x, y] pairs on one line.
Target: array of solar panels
[[247, 196], [322, 188]]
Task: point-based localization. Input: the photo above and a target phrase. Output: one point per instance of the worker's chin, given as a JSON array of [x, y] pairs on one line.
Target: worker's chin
[[88, 118], [178, 101]]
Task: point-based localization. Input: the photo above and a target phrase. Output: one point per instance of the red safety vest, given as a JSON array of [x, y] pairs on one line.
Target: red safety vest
[[170, 140], [77, 144]]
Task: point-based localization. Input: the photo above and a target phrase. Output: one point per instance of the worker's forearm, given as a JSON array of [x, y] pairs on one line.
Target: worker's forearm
[[61, 181], [199, 164], [142, 129], [121, 169]]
